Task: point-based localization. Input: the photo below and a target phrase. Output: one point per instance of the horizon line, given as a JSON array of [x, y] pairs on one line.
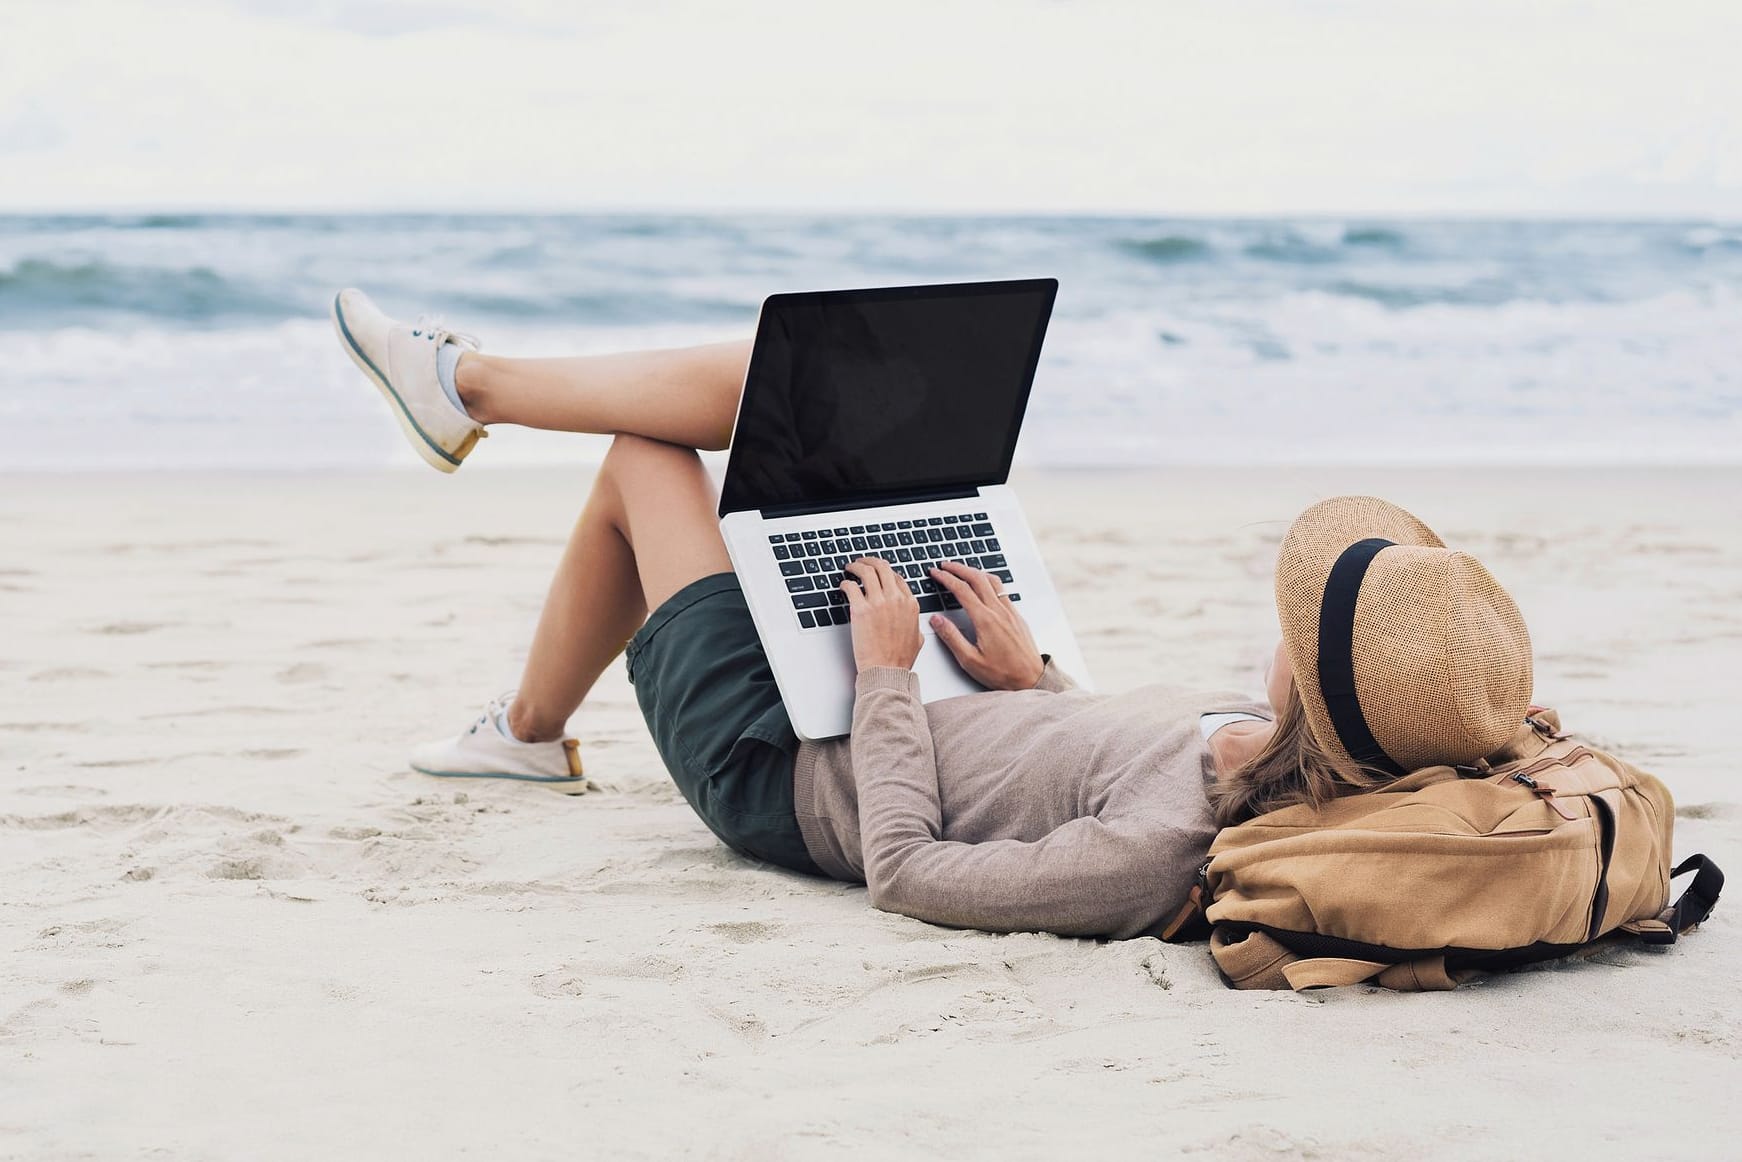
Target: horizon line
[[774, 211]]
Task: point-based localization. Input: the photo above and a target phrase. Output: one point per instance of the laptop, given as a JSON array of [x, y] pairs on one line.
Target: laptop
[[882, 422]]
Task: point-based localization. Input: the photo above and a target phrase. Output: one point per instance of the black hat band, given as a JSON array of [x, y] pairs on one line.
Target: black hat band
[[1337, 656]]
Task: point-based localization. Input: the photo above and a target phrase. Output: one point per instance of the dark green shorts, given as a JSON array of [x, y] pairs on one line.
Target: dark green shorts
[[710, 701]]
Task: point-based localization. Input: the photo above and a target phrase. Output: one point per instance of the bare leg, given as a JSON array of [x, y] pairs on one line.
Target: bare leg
[[647, 530], [685, 395]]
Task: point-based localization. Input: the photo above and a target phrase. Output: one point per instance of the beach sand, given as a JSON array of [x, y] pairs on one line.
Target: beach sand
[[236, 926]]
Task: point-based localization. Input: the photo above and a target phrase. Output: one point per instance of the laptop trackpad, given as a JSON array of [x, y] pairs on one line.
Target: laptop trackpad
[[939, 674]]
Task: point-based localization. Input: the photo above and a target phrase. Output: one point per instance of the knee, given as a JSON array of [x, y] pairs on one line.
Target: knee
[[628, 445], [630, 452]]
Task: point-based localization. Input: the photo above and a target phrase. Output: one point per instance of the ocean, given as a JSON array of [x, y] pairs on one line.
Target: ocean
[[201, 341]]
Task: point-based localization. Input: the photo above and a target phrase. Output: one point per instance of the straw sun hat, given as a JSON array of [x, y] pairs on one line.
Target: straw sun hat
[[1407, 654]]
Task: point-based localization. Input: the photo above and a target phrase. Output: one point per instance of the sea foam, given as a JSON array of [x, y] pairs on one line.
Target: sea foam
[[200, 341]]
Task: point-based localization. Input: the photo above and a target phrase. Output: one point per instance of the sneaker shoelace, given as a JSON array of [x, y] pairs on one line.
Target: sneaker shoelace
[[432, 327], [496, 710]]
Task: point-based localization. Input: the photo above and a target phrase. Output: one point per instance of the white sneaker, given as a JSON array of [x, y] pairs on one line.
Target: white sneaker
[[400, 359], [485, 752]]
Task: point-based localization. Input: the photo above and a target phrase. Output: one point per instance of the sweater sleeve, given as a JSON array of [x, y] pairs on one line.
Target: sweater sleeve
[[1054, 679], [1088, 877]]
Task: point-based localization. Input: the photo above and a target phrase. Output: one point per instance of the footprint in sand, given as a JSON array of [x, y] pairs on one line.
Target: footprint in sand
[[746, 931], [68, 674], [221, 711], [429, 564], [251, 867], [62, 789], [476, 539], [302, 672], [558, 984], [244, 868], [81, 934], [110, 817], [137, 761], [1706, 811], [41, 727]]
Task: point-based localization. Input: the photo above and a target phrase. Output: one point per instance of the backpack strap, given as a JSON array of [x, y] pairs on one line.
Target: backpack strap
[[1701, 897], [1253, 960], [1690, 908], [1329, 972], [1189, 923], [1257, 960], [1411, 976]]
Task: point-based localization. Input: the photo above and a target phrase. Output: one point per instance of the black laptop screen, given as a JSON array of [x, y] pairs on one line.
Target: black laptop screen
[[870, 395]]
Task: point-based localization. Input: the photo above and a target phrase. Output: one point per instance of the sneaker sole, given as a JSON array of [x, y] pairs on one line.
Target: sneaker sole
[[566, 784], [433, 454]]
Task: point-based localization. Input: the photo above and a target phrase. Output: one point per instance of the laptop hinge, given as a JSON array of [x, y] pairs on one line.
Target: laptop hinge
[[802, 508]]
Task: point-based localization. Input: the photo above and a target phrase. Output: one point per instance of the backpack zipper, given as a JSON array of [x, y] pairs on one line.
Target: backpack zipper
[[1527, 778]]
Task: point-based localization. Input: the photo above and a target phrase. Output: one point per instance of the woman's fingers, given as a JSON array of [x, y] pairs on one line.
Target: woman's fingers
[[1002, 655], [885, 628], [878, 578], [855, 592], [984, 583], [869, 578], [966, 652], [959, 588], [895, 586], [980, 584]]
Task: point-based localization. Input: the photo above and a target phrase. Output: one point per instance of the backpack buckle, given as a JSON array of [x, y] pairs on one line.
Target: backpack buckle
[[1190, 922], [1542, 727]]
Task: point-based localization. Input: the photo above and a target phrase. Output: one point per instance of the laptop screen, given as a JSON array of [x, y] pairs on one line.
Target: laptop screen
[[869, 395]]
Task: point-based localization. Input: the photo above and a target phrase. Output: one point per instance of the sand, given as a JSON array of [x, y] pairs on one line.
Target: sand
[[234, 925]]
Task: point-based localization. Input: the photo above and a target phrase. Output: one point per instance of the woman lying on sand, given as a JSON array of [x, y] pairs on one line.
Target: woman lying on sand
[[1033, 806]]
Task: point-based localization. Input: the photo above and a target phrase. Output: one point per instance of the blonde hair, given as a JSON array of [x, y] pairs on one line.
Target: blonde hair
[[1292, 768]]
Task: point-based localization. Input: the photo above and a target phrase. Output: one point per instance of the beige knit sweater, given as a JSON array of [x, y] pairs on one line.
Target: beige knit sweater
[[1050, 809]]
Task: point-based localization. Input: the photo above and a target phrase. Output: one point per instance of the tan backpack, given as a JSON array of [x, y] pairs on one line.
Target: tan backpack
[[1534, 853]]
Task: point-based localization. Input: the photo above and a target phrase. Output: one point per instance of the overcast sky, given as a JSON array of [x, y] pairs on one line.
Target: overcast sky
[[1218, 107]]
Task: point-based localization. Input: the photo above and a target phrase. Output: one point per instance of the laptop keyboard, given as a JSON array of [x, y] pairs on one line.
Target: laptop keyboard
[[812, 561]]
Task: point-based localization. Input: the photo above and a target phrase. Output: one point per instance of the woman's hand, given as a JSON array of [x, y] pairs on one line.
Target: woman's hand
[[1003, 655], [885, 616]]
